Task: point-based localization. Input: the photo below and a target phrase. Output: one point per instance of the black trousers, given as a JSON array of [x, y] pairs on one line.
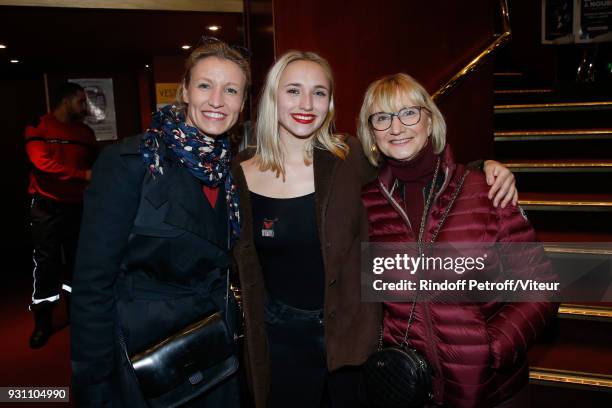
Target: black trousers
[[298, 368], [55, 230]]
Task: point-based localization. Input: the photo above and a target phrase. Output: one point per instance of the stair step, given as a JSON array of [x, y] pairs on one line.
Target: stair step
[[564, 166], [586, 312], [553, 107], [583, 149], [513, 91], [573, 235], [549, 135], [581, 346], [508, 74], [568, 395], [543, 375], [522, 91], [571, 180], [560, 249], [543, 117], [565, 202]]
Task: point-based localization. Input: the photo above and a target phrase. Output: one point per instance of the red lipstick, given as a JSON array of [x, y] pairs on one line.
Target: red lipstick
[[304, 118]]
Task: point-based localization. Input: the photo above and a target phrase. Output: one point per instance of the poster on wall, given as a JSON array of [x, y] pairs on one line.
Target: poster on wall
[[101, 106], [557, 21], [595, 21], [576, 21], [165, 93]]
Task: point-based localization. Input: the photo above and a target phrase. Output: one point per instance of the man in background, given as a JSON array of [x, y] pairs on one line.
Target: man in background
[[62, 150]]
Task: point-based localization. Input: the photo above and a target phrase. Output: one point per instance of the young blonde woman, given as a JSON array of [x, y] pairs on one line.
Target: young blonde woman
[[298, 255]]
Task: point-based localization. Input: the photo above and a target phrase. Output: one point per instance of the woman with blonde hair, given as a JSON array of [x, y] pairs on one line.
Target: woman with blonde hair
[[298, 254], [476, 351], [160, 216]]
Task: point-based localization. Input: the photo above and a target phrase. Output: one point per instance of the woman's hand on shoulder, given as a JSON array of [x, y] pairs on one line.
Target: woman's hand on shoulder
[[503, 185]]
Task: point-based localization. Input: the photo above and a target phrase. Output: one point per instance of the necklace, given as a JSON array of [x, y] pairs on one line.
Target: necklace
[[422, 233]]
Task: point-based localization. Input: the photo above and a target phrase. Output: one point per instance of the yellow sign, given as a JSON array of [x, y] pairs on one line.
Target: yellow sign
[[165, 93]]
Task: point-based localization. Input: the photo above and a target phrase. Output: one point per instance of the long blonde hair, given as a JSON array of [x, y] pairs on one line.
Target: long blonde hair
[[384, 92], [269, 154]]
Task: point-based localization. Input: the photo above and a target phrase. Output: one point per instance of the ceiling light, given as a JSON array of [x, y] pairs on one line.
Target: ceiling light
[[14, 61], [214, 28], [2, 46], [146, 65], [186, 46]]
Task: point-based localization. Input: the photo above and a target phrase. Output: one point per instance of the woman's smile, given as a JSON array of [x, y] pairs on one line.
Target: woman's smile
[[304, 118]]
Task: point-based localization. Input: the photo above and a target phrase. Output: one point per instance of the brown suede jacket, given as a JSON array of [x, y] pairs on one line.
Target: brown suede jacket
[[351, 326]]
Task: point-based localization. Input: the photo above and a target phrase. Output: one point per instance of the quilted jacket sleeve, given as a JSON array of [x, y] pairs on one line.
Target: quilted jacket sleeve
[[516, 325]]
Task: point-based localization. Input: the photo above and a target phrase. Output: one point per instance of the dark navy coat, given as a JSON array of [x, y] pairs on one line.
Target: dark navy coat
[[152, 259]]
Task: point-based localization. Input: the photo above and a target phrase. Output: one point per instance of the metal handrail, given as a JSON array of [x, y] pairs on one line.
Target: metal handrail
[[477, 62]]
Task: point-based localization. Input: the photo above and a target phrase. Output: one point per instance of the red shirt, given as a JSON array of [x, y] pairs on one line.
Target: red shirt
[[61, 154]]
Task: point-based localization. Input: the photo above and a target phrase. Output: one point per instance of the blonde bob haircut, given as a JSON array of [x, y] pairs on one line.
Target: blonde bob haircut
[[269, 153], [387, 93], [212, 48]]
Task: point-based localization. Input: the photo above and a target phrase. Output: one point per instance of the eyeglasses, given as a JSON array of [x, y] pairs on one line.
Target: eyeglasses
[[409, 116], [208, 40]]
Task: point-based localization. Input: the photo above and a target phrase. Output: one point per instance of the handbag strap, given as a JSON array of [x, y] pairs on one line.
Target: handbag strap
[[405, 342], [227, 274]]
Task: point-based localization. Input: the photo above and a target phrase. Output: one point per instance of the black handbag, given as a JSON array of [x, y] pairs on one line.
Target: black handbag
[[186, 364], [400, 377], [396, 377]]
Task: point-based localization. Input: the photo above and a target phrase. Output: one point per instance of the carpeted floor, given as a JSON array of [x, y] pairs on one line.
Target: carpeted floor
[[21, 366]]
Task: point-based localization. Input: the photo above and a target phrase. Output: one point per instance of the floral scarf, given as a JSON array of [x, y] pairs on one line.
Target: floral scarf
[[207, 158]]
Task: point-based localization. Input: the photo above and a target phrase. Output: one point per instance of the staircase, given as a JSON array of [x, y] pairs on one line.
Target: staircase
[[558, 143]]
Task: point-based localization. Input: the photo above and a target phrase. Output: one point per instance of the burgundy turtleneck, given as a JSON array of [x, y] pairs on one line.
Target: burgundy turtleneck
[[415, 174]]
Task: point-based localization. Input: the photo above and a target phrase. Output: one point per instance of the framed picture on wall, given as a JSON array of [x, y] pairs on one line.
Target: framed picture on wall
[[576, 21], [595, 21], [101, 106], [558, 21]]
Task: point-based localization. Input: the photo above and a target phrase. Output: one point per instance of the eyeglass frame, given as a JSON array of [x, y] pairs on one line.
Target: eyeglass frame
[[396, 114]]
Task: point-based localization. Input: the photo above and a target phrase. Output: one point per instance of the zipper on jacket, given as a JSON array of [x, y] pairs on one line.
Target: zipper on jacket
[[434, 352], [396, 205], [427, 317]]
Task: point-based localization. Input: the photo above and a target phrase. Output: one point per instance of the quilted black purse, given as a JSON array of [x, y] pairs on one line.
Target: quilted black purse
[[398, 376]]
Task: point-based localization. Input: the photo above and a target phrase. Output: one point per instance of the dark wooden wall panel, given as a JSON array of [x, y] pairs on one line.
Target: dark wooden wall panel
[[260, 41], [364, 40], [22, 104]]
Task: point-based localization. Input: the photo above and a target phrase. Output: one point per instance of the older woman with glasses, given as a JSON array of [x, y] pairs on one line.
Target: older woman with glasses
[[475, 351]]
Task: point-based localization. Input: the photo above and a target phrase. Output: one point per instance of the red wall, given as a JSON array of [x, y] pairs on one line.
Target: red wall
[[364, 40]]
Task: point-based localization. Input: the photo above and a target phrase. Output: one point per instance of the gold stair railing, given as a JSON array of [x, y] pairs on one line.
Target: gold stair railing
[[476, 63], [539, 374]]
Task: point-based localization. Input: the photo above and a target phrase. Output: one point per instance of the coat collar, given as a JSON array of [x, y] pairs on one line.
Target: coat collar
[[447, 168], [325, 164], [188, 208], [246, 222]]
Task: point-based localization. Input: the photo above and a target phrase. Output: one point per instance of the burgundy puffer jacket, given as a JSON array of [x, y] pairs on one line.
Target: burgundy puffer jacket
[[476, 351]]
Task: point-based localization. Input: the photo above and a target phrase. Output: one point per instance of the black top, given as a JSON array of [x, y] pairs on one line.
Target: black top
[[287, 242]]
